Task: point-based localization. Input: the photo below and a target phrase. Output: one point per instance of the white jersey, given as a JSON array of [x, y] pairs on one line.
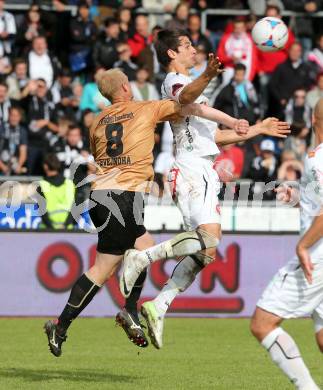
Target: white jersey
[[193, 136], [311, 194]]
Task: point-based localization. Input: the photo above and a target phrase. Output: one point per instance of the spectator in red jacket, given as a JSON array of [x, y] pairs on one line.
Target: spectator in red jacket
[[268, 61], [142, 37], [238, 47]]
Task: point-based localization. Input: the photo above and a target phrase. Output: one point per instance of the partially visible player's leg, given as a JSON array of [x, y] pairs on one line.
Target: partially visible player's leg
[[186, 271], [82, 293], [288, 295], [318, 325], [182, 278], [200, 209], [128, 316], [281, 348], [142, 242]]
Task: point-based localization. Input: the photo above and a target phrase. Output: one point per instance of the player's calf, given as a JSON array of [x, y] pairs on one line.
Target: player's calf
[[183, 244], [319, 339], [281, 348]]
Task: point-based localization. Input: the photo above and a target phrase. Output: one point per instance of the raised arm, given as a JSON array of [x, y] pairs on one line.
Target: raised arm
[[240, 126], [270, 127], [194, 89]]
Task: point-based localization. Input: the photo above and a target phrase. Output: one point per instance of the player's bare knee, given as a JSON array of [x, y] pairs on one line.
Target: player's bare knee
[[262, 323], [320, 347], [319, 339], [256, 328]]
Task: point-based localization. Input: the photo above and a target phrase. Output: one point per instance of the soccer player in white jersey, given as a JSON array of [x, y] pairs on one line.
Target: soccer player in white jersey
[[194, 180], [297, 289]]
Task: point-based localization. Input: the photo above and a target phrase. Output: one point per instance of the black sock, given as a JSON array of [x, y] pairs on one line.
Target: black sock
[[132, 300], [81, 295]]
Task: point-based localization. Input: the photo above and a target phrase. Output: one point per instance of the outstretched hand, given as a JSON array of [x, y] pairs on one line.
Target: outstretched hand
[[214, 66], [241, 126], [275, 128]]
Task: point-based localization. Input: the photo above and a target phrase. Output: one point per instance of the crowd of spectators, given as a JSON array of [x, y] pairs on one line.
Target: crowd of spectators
[[49, 61]]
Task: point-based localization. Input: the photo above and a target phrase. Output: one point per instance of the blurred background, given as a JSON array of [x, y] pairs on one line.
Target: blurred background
[[51, 53]]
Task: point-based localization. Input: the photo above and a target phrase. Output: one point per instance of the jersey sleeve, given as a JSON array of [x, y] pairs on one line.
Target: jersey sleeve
[[173, 86], [168, 110]]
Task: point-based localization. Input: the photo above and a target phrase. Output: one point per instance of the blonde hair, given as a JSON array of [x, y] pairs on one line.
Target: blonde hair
[[110, 81]]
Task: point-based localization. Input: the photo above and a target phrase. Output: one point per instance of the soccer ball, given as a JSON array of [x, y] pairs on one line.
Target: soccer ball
[[270, 34]]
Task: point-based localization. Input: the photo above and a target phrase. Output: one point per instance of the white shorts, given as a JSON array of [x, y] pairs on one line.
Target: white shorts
[[195, 187], [289, 295]]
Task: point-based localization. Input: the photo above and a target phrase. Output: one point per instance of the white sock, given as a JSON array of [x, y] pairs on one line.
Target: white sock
[[183, 244], [285, 353], [166, 297], [183, 276]]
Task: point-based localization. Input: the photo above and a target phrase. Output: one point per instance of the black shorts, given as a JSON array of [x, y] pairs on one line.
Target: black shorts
[[119, 217]]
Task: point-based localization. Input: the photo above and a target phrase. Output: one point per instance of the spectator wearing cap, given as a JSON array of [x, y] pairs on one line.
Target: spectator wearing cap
[[239, 97], [13, 144], [7, 31], [263, 169], [180, 18], [124, 63], [289, 76], [316, 93], [105, 49], [297, 110], [238, 47], [83, 35], [148, 59], [141, 88], [268, 61], [41, 64], [142, 37], [196, 36]]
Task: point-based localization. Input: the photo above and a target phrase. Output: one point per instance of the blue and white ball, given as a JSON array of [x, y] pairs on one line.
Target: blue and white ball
[[270, 34]]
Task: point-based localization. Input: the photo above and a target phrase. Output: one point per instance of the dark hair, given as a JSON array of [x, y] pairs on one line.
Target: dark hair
[[52, 161], [110, 22], [320, 74], [73, 126], [240, 66], [16, 108], [157, 27], [168, 39], [19, 61], [297, 127], [42, 80], [273, 6], [4, 84], [83, 4]]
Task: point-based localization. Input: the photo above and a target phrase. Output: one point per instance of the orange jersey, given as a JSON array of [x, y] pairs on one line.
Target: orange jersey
[[122, 141]]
